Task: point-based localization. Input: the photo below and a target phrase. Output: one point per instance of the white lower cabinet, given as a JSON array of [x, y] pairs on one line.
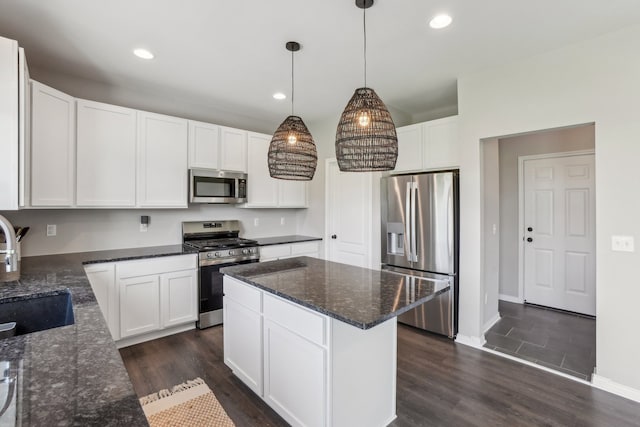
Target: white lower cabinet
[[290, 250], [148, 298]]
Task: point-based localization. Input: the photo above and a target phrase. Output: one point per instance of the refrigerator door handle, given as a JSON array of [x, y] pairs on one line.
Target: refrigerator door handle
[[407, 228], [414, 237]]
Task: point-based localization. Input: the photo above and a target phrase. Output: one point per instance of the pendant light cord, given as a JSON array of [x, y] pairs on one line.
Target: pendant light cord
[[364, 25], [292, 92]]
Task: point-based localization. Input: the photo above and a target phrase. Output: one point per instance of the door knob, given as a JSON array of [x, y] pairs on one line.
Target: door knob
[[529, 228], [333, 236], [529, 239]]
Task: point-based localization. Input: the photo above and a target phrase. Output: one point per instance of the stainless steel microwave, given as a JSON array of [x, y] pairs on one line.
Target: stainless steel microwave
[[214, 186]]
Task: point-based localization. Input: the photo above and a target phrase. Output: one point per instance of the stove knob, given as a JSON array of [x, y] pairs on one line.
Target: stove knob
[[232, 253], [209, 255], [217, 254], [246, 251]]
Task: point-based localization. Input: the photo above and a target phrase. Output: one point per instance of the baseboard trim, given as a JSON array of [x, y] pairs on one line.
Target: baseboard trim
[[509, 298], [489, 324], [126, 342], [476, 342], [606, 384]]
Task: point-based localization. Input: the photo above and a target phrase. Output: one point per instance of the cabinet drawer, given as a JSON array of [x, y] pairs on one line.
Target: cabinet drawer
[[308, 324], [156, 265], [275, 251], [243, 294], [305, 248]]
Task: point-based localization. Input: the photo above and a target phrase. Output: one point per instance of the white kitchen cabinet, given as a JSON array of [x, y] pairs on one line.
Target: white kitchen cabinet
[[106, 155], [243, 333], [204, 145], [179, 297], [233, 149], [24, 131], [139, 305], [162, 161], [290, 250], [410, 146], [429, 145], [102, 278], [9, 124], [53, 142], [264, 191]]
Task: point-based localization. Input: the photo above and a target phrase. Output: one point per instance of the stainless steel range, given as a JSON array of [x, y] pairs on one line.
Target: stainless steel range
[[219, 246]]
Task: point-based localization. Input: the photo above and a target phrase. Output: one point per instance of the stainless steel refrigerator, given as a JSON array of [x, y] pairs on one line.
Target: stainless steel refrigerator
[[420, 234]]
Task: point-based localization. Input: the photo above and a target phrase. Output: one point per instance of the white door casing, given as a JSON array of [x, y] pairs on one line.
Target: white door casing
[[558, 200], [348, 216]]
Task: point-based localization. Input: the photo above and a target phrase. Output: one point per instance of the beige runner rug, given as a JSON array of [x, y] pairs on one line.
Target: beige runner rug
[[191, 403]]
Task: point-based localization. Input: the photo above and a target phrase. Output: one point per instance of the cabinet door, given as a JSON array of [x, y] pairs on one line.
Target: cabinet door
[[243, 343], [441, 143], [271, 252], [162, 161], [9, 121], [204, 145], [295, 376], [262, 190], [292, 194], [179, 297], [102, 279], [410, 148], [106, 155], [233, 149], [52, 147], [24, 114], [139, 305]]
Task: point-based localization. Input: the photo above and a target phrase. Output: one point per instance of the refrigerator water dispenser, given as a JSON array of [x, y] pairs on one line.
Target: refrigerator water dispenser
[[395, 238]]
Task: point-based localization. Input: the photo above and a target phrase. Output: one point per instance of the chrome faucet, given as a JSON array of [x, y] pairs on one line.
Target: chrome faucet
[[10, 255]]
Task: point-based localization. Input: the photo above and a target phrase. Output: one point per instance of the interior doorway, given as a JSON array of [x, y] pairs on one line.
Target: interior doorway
[[562, 341]]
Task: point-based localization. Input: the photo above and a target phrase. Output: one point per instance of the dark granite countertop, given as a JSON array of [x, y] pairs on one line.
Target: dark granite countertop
[[72, 375], [358, 296], [282, 240]]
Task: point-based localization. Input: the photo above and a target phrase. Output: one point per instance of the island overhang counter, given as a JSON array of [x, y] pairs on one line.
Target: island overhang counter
[[316, 340]]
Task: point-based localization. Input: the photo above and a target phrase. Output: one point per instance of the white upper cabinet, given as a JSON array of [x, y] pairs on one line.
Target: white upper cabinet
[[24, 115], [106, 155], [9, 124], [52, 147], [409, 148], [204, 145], [233, 149], [264, 191], [428, 145], [162, 161]]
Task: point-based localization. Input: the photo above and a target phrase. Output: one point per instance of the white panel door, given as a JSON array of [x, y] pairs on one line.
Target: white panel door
[[409, 148], [139, 305], [441, 146], [179, 297], [233, 149], [559, 235], [287, 355], [53, 138], [349, 216], [243, 343], [162, 161], [204, 145], [106, 155], [262, 190]]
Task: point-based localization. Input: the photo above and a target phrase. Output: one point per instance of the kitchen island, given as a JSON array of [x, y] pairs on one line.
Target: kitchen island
[[316, 340]]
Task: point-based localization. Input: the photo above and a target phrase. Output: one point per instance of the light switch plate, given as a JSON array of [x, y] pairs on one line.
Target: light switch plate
[[52, 230], [256, 222], [622, 244]]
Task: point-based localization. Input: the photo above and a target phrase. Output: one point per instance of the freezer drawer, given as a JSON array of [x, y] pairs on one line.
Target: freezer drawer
[[433, 316]]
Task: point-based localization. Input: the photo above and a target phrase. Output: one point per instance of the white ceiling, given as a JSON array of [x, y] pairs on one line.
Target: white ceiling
[[231, 53]]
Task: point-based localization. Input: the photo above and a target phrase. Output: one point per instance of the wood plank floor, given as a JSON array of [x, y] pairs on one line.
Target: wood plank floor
[[440, 383]]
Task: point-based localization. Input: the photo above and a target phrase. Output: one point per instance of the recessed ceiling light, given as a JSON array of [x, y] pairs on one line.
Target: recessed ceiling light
[[143, 53], [279, 96], [440, 21]]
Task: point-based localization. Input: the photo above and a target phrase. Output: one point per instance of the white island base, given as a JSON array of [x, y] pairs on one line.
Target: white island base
[[312, 369]]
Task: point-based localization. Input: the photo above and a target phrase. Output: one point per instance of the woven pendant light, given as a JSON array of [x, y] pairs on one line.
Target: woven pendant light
[[366, 138], [292, 152]]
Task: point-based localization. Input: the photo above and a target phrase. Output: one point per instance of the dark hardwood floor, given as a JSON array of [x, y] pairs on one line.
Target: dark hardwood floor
[[440, 383]]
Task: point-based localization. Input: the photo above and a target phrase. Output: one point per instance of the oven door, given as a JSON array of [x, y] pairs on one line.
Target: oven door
[[211, 186], [211, 292]]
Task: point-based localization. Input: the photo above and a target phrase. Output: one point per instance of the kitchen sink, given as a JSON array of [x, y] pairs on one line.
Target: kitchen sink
[[38, 313]]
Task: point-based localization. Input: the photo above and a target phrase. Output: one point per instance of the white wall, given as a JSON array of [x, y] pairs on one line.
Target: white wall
[[82, 230], [552, 141], [490, 230], [593, 81]]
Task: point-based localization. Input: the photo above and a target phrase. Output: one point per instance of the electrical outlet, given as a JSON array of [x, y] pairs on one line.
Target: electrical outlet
[[622, 243], [486, 298], [282, 221], [52, 230], [256, 222], [144, 228]]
